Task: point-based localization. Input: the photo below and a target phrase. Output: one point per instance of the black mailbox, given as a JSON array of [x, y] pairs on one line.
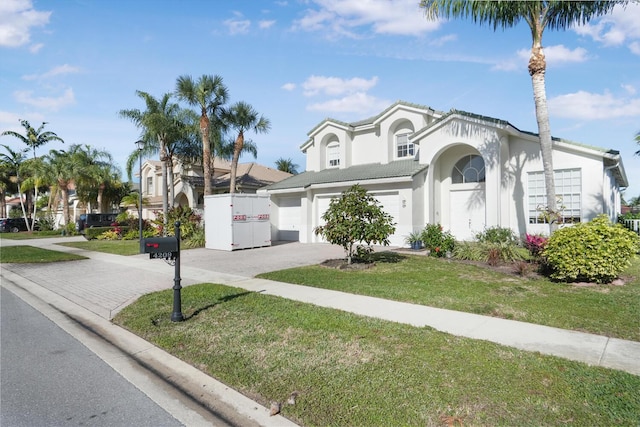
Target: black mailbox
[[161, 247]]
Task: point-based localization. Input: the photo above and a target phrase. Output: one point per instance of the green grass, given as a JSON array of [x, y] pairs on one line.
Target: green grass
[[25, 235], [604, 309], [352, 370], [118, 247], [30, 254]]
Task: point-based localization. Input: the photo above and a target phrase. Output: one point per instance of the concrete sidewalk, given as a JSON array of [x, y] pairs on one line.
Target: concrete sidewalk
[[105, 283]]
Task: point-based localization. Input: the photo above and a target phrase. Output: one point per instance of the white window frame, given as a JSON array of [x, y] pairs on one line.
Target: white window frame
[[568, 183], [333, 154], [469, 173], [404, 148], [149, 186]]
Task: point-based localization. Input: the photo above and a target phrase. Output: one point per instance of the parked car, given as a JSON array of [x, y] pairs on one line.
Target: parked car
[[95, 220], [14, 225]]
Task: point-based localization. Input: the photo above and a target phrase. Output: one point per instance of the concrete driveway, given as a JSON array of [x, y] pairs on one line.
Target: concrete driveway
[[250, 262]]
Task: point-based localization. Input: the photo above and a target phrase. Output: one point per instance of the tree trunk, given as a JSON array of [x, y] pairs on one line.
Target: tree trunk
[[172, 190], [65, 201], [3, 204], [165, 197], [99, 200], [206, 152], [537, 70], [237, 149]]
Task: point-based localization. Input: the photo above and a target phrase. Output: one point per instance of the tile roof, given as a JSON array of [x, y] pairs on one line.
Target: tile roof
[[398, 169]]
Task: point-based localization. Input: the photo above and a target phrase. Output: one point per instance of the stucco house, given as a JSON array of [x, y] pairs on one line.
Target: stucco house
[[461, 170], [189, 183]]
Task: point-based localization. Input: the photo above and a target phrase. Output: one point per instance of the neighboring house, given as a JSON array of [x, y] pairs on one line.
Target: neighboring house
[[189, 183], [461, 170]]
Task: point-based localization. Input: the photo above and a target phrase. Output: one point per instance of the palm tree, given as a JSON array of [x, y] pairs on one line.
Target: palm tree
[[33, 138], [209, 94], [637, 138], [97, 173], [539, 15], [13, 161], [242, 118], [161, 128], [286, 165], [62, 168]]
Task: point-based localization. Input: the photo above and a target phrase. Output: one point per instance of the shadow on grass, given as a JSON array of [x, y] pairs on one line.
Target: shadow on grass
[[387, 256], [218, 302]]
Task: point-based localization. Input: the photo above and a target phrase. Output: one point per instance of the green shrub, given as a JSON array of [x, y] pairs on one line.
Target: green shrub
[[196, 240], [190, 221], [437, 241], [596, 251], [496, 235], [471, 251], [94, 232]]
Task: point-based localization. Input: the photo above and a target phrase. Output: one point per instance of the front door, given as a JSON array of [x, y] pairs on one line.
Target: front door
[[468, 215]]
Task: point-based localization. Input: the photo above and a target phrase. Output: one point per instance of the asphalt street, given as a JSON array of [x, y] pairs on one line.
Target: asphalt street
[[48, 378]]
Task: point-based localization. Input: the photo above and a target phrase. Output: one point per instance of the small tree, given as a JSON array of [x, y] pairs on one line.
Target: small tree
[[356, 217]]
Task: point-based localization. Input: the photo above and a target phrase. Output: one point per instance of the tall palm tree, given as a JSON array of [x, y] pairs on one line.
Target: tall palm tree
[[161, 128], [209, 94], [539, 15], [33, 138], [286, 165], [637, 138], [242, 118], [13, 160]]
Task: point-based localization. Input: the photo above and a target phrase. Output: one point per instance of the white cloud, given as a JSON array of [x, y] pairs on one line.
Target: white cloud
[[56, 71], [629, 88], [359, 102], [334, 86], [264, 25], [440, 41], [289, 86], [584, 105], [17, 18], [35, 48], [635, 48], [345, 17], [618, 27], [237, 26], [48, 103]]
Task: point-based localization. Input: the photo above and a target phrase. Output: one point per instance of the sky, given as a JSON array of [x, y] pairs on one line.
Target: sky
[[75, 64]]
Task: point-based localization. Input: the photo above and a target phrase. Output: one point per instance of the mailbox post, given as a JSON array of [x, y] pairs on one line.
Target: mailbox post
[[168, 248]]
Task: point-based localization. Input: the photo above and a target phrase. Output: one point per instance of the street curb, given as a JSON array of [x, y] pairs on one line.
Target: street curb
[[161, 373]]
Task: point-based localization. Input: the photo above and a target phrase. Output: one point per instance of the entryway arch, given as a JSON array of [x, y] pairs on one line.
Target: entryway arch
[[460, 199]]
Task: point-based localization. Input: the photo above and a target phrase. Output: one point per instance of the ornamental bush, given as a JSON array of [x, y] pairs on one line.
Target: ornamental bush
[[356, 217], [437, 241], [596, 251]]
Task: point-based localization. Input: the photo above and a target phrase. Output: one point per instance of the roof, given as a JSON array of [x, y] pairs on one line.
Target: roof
[[398, 169], [252, 175]]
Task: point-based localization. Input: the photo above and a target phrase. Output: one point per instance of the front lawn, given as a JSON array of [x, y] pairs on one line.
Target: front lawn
[[358, 371], [603, 309], [28, 254], [118, 247]]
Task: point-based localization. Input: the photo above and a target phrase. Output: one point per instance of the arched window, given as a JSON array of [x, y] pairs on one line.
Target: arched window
[[333, 154], [468, 169]]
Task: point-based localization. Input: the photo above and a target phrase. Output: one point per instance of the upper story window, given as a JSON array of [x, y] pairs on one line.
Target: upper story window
[[333, 155], [468, 169], [404, 148], [149, 186]]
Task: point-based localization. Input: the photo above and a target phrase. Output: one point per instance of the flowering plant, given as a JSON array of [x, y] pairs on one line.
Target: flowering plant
[[535, 243]]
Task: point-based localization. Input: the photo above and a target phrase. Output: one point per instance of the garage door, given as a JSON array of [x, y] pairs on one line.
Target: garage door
[[289, 217]]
